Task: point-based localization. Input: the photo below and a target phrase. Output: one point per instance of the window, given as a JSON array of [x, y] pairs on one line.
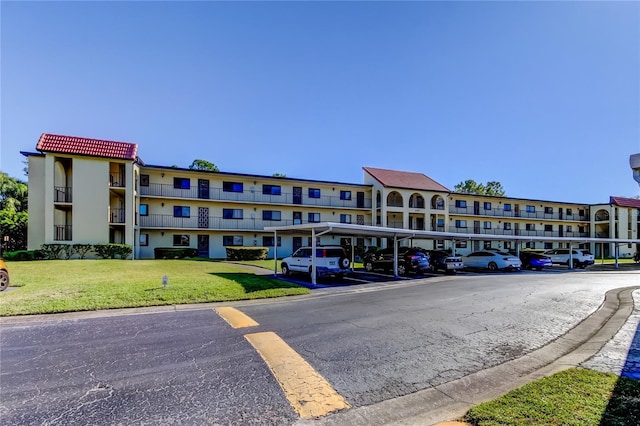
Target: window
[[232, 213], [548, 227], [181, 183], [144, 239], [507, 207], [232, 187], [232, 240], [461, 244], [569, 212], [531, 209], [144, 210], [569, 228], [531, 244], [530, 227], [314, 217], [440, 222], [144, 180], [271, 189], [507, 226], [548, 246], [507, 245], [461, 204], [581, 229], [345, 195], [487, 206], [268, 241], [314, 193], [581, 212], [181, 211], [180, 240], [461, 223], [345, 218], [487, 245], [271, 215], [548, 210], [487, 225]]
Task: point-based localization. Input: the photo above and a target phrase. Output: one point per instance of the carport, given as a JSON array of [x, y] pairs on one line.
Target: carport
[[398, 234]]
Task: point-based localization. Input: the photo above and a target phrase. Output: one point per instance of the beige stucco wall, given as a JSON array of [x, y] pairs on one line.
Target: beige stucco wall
[[90, 200], [36, 228]]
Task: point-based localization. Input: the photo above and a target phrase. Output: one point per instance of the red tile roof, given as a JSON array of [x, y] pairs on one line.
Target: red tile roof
[[86, 146], [625, 202], [406, 180]]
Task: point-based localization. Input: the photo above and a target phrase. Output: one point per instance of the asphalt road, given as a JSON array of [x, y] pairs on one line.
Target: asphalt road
[[370, 342]]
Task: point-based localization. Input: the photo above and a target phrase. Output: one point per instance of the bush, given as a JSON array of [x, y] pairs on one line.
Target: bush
[[247, 253], [52, 251], [110, 251], [22, 255], [174, 252], [82, 249]]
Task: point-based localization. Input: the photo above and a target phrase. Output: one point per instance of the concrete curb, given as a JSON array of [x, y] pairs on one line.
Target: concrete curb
[[451, 400]]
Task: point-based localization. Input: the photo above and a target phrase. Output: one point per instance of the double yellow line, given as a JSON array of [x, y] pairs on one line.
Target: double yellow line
[[308, 392]]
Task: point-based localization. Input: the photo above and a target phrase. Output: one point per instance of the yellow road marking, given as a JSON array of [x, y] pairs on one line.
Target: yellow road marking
[[308, 392], [235, 318]]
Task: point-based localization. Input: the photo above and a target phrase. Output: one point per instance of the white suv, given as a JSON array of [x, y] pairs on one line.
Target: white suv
[[581, 257], [330, 260]]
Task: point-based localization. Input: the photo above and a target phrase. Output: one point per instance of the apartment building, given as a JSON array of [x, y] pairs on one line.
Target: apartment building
[[84, 190]]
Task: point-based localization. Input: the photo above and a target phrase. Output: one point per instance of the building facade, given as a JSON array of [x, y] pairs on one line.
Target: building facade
[[85, 190]]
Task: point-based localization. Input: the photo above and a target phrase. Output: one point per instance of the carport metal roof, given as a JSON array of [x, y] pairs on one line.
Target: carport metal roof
[[352, 230]]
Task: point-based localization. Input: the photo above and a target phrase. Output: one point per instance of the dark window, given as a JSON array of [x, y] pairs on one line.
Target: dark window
[[232, 240], [487, 206], [461, 204], [268, 241], [531, 209], [314, 193], [345, 218], [232, 213], [144, 209], [144, 239], [180, 240], [507, 226], [569, 212], [569, 228], [271, 189], [548, 246], [271, 215], [530, 244], [507, 245], [461, 244], [232, 186], [548, 227], [581, 212], [487, 245], [345, 195], [487, 225], [144, 180], [548, 210], [314, 217], [461, 223], [181, 211], [507, 207], [530, 227], [181, 183]]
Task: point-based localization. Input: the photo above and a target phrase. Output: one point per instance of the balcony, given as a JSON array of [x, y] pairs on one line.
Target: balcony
[[161, 221], [517, 232], [117, 216], [62, 232], [499, 212], [62, 194], [166, 190], [116, 180]]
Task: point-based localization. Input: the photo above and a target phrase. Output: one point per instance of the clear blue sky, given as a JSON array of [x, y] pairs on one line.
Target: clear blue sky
[[541, 96]]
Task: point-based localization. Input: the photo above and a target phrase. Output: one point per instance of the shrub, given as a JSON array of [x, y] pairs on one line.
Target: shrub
[[110, 251], [247, 253], [82, 249], [52, 251], [174, 252], [20, 255]]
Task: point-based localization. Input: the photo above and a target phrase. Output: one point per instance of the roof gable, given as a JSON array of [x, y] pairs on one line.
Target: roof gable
[[406, 180], [625, 202], [86, 146]]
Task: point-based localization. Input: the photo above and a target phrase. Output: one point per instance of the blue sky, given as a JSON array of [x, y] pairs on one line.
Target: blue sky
[[541, 96]]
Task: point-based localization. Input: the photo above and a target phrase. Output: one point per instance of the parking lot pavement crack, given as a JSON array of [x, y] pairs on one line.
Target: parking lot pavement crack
[[98, 393]]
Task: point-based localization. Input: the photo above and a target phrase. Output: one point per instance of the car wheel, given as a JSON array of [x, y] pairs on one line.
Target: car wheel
[[538, 268], [402, 269], [4, 280], [526, 266], [576, 264], [368, 266], [285, 270], [492, 266], [344, 263]]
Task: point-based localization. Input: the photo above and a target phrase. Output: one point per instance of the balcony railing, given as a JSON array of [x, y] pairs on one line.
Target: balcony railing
[[116, 180], [519, 232], [117, 216], [62, 232], [255, 196], [499, 212], [61, 194], [211, 222]]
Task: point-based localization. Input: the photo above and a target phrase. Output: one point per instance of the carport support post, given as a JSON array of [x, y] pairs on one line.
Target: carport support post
[[275, 253], [570, 256], [395, 256], [313, 256], [617, 253]]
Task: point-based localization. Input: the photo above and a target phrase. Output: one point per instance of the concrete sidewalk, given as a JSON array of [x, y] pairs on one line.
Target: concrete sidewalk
[[606, 341]]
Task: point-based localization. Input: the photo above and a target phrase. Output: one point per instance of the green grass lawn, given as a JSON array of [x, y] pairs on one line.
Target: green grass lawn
[[573, 397], [51, 286]]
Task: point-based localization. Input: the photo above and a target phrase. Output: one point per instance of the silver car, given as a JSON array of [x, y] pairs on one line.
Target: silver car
[[492, 260]]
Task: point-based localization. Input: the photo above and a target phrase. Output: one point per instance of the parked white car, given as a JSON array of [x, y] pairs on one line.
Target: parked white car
[[492, 260], [581, 258], [330, 260]]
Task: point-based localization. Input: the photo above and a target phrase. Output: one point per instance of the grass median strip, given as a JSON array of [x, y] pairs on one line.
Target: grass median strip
[[308, 392]]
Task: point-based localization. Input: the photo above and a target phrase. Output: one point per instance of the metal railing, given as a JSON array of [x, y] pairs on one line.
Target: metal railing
[[116, 180], [499, 212], [62, 233], [250, 196], [211, 222], [117, 216], [61, 194]]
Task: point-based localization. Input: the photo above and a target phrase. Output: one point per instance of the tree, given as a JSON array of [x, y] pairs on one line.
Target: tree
[[470, 186], [203, 165], [13, 213]]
